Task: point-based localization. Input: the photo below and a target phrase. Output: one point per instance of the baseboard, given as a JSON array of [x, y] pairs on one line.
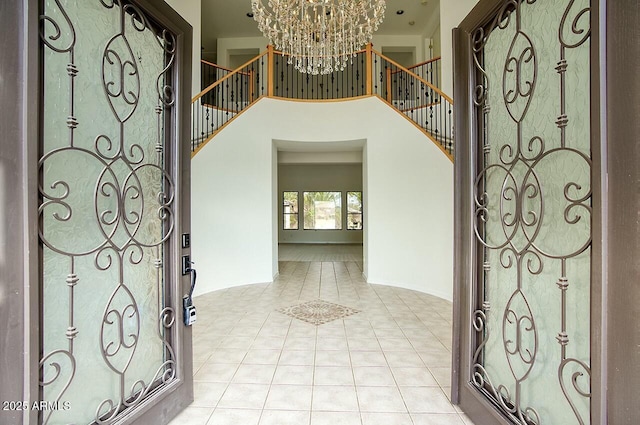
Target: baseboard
[[275, 276]]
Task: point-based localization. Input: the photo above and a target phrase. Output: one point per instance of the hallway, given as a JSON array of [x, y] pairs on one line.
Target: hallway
[[379, 355]]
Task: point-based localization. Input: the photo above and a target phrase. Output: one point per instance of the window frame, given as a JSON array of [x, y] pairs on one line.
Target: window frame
[[360, 213], [297, 213]]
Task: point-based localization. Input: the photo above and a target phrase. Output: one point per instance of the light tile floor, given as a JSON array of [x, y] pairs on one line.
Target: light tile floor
[[389, 364]]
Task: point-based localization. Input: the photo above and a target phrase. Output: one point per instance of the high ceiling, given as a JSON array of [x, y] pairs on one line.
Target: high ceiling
[[228, 18]]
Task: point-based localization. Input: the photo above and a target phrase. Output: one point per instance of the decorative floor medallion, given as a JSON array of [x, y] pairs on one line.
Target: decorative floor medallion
[[318, 312]]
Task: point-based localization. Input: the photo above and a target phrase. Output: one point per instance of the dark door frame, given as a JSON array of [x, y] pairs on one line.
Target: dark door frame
[[18, 158], [620, 130], [19, 245], [615, 132]]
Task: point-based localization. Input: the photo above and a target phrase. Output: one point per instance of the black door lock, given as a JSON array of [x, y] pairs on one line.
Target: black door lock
[[188, 309], [186, 265]]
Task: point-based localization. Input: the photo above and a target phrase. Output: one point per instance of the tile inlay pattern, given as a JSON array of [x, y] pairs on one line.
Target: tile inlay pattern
[[389, 364], [318, 312]]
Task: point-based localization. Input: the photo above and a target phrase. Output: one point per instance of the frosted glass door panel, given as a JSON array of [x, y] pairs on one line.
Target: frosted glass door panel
[[533, 212], [107, 210]]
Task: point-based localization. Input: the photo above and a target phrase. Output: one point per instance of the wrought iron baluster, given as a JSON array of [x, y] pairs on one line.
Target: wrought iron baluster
[[363, 89], [289, 79]]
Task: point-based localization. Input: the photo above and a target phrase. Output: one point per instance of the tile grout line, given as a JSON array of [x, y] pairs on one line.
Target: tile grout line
[[387, 360], [388, 307], [313, 375], [353, 375], [264, 405]]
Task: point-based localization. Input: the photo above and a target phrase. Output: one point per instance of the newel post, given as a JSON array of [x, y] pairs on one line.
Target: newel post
[[369, 60], [270, 70]]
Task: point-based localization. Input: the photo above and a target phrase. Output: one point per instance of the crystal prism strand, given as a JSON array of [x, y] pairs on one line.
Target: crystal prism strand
[[321, 36]]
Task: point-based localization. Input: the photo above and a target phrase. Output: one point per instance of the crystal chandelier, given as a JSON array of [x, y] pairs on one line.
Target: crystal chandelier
[[319, 36]]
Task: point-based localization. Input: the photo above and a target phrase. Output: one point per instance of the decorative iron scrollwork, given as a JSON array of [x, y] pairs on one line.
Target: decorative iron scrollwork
[[517, 207], [125, 220]]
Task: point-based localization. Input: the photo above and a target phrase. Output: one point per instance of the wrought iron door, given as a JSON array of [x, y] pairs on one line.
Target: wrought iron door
[[111, 195], [529, 206]]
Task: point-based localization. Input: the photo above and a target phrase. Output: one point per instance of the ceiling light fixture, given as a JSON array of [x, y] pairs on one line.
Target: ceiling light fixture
[[399, 12], [319, 36], [249, 15]]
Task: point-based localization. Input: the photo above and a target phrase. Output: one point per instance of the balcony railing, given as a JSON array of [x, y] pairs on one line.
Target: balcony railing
[[211, 72], [368, 73], [416, 98], [225, 98], [289, 83], [428, 70]]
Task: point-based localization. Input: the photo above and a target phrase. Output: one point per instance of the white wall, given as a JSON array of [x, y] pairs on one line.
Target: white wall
[[348, 157], [452, 12], [389, 42], [233, 204], [414, 43], [436, 42], [408, 237], [227, 46], [191, 11]]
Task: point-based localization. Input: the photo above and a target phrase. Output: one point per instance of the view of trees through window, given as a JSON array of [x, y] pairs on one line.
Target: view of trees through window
[[290, 211], [322, 210], [354, 210]]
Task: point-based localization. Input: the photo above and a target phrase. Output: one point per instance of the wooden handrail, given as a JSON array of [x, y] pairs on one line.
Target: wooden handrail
[[434, 88], [208, 138], [215, 65], [425, 62], [272, 52], [220, 81], [423, 130], [222, 67], [427, 105], [217, 108], [342, 99], [369, 80]]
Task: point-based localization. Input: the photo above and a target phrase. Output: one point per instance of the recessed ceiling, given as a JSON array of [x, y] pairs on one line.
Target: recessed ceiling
[[228, 19]]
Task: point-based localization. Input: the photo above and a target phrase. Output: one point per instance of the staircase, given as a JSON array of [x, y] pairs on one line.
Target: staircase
[[411, 92]]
